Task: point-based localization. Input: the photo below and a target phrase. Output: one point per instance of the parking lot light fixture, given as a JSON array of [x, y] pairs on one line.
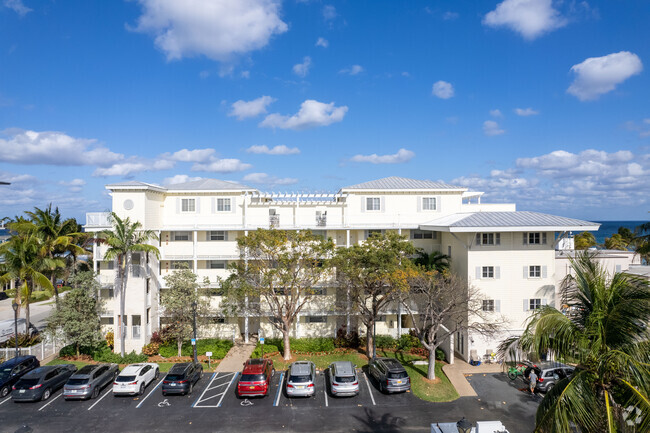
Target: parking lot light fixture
[[464, 426], [15, 307], [194, 326]]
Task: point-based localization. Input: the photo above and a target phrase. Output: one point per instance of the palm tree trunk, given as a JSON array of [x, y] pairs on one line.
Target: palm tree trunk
[[125, 274], [56, 290]]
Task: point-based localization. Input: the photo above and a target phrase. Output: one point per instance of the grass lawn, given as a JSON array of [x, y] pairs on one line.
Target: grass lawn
[[59, 361], [164, 366]]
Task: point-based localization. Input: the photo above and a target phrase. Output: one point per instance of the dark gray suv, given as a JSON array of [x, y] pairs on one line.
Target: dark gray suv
[[390, 375], [548, 374]]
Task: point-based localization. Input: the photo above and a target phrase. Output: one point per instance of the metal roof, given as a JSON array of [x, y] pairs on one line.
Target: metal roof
[[402, 183], [209, 185], [507, 221]]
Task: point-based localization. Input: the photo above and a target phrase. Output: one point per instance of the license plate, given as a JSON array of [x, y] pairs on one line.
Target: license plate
[[251, 387], [399, 382], [173, 384], [300, 387], [21, 391], [73, 391]]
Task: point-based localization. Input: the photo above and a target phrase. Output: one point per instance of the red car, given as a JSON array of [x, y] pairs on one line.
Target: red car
[[255, 379]]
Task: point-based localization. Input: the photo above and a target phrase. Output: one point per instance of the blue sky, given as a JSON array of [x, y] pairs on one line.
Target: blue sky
[[538, 102]]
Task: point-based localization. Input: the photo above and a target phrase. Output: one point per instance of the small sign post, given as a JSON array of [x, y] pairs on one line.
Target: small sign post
[[193, 342], [208, 354], [262, 343]]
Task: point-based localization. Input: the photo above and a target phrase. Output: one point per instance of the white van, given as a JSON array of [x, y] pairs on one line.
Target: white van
[[7, 329]]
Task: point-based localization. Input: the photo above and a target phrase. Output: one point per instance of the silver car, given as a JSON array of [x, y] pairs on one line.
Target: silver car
[[300, 379], [343, 379], [89, 381]]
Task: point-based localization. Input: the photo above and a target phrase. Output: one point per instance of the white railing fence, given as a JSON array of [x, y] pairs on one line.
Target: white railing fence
[[41, 351]]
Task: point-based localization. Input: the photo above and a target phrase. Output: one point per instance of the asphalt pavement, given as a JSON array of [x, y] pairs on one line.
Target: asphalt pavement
[[39, 312]]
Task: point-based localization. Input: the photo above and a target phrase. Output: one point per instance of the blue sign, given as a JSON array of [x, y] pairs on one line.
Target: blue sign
[[193, 342], [261, 340]]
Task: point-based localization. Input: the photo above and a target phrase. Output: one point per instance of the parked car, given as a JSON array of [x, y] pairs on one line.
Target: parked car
[[135, 378], [343, 379], [301, 379], [255, 379], [42, 382], [181, 378], [389, 374], [548, 374], [13, 369], [89, 381]]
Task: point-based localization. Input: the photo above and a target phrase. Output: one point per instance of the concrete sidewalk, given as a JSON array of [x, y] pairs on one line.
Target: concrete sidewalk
[[457, 371], [236, 357]]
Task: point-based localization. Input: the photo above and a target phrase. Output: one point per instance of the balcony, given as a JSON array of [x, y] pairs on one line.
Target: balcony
[[274, 221], [98, 219]]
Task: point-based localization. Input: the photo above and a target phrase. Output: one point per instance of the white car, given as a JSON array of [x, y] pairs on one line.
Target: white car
[[135, 378]]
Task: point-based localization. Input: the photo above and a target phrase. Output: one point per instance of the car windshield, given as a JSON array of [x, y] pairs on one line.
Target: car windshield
[[26, 383], [125, 379], [252, 378], [398, 375], [299, 378], [77, 381], [344, 379], [173, 377]]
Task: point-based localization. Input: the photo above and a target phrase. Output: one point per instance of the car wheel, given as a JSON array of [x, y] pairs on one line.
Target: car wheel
[[164, 394], [4, 391], [549, 387], [46, 394], [95, 392], [512, 375], [273, 372], [141, 389]]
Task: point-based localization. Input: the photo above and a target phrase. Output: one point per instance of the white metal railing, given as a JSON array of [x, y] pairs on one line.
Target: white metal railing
[[41, 351], [98, 219]]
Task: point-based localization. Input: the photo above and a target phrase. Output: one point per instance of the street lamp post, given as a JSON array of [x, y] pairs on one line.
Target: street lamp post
[[194, 318], [15, 307]]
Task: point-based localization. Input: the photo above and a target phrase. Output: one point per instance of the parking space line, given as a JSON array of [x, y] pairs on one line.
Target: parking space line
[[325, 389], [226, 391], [150, 392], [214, 376], [5, 400], [372, 397], [102, 397], [279, 391], [51, 400]]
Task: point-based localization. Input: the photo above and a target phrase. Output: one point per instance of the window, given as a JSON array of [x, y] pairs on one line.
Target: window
[[381, 318], [181, 264], [181, 236], [535, 271], [106, 321], [110, 264], [218, 264], [373, 203], [488, 238], [428, 203], [535, 238], [375, 232], [316, 319], [223, 205], [488, 304], [188, 205], [487, 272], [421, 234], [320, 233], [534, 304], [218, 236], [215, 320], [320, 291]]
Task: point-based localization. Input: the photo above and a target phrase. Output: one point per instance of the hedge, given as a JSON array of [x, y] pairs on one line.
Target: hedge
[[298, 345], [102, 353], [218, 347]]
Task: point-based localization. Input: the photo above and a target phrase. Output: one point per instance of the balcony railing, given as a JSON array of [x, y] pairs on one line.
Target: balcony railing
[[321, 220], [274, 221], [98, 219]]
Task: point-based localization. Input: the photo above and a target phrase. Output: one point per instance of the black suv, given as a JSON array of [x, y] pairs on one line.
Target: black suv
[[14, 369], [389, 374], [181, 378]]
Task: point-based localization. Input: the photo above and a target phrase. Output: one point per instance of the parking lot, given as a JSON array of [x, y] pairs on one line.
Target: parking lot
[[214, 406]]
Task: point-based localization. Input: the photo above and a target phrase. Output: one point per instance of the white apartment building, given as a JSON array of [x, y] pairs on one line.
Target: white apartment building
[[509, 255]]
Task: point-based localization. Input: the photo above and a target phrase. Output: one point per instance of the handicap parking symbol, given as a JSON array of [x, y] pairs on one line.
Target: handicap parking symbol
[[164, 403], [246, 402]]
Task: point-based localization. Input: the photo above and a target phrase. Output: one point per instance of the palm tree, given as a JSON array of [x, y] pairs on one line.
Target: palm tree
[[436, 261], [584, 240], [125, 238], [604, 332], [616, 242]]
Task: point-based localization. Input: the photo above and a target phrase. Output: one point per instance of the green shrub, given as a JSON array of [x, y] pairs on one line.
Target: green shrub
[[345, 340], [103, 353], [218, 347], [440, 355], [151, 349], [317, 344], [24, 340], [268, 348], [11, 293], [39, 295], [385, 342], [407, 342]]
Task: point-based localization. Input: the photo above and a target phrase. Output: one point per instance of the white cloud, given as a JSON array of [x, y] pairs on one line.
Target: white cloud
[[530, 18], [491, 128], [496, 113], [443, 89], [75, 185], [449, 16], [265, 179], [179, 178], [561, 163], [329, 12], [53, 148], [195, 155], [17, 6], [302, 69], [322, 42], [215, 29], [599, 75], [245, 74], [277, 150], [524, 112], [401, 156], [122, 169], [312, 114], [245, 109], [222, 166], [352, 70]]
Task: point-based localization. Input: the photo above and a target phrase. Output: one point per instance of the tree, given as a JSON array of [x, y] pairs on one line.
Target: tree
[[604, 332], [584, 240], [616, 242], [125, 238], [436, 261], [177, 303], [441, 304], [277, 276], [375, 272], [77, 320]]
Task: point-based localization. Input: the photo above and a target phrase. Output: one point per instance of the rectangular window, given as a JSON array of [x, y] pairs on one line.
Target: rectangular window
[[373, 203], [488, 305], [320, 233], [535, 271], [535, 238], [316, 319], [422, 234], [372, 232], [535, 304], [320, 291], [188, 205], [429, 203], [223, 205], [487, 272], [181, 264], [106, 321], [182, 236], [218, 264], [110, 265], [488, 238], [218, 236], [215, 320]]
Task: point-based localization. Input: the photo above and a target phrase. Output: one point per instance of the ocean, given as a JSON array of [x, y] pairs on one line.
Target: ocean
[[608, 228]]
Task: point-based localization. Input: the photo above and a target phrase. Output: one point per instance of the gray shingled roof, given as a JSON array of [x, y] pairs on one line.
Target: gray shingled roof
[[402, 183], [509, 219], [209, 185]]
